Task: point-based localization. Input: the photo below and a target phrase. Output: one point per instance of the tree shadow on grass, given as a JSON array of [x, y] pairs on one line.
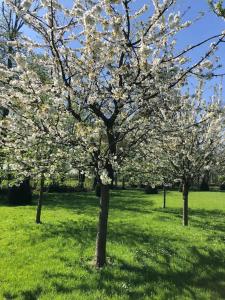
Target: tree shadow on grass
[[134, 205], [79, 201], [25, 295], [32, 294], [201, 218], [85, 202], [154, 256], [9, 296], [208, 219], [176, 281], [129, 200], [62, 200], [83, 231], [152, 267]]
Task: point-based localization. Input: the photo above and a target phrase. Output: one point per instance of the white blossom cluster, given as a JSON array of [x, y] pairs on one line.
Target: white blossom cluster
[[98, 79]]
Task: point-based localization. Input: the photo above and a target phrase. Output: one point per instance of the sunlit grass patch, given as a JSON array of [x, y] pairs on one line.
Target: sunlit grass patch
[[150, 254]]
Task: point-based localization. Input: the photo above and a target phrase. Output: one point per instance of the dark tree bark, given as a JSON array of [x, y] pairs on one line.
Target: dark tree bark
[[104, 199], [81, 180], [204, 186], [185, 203], [180, 189], [40, 201], [95, 182], [102, 227], [123, 183], [164, 196], [115, 180]]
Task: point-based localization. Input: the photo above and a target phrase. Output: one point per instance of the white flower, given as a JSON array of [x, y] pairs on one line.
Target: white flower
[[207, 64], [105, 178]]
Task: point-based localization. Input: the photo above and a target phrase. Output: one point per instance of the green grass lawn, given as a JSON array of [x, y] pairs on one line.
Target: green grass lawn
[[150, 254]]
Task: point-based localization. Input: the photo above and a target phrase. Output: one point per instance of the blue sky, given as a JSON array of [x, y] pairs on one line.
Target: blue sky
[[205, 27]]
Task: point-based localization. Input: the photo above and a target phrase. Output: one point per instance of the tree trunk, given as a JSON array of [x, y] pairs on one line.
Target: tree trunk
[[115, 180], [95, 182], [185, 204], [123, 183], [81, 179], [204, 186], [40, 201], [164, 197], [102, 227]]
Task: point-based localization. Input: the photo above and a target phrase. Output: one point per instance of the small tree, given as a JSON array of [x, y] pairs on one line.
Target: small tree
[[196, 134]]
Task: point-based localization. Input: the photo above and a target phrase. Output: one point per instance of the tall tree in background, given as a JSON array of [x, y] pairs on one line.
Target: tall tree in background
[[10, 30]]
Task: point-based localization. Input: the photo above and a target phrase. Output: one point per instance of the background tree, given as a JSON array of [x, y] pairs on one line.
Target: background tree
[[10, 31], [196, 134]]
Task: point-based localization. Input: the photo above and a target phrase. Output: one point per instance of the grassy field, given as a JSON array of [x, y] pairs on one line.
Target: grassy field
[[150, 254]]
